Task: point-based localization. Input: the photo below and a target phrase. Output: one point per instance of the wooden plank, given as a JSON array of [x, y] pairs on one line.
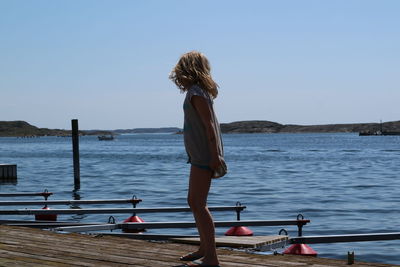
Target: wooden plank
[[20, 246], [29, 257], [48, 225], [148, 250], [87, 252], [70, 257], [9, 261], [237, 241], [72, 239]]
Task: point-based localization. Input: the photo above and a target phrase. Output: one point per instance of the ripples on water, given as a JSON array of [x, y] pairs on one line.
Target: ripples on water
[[343, 183]]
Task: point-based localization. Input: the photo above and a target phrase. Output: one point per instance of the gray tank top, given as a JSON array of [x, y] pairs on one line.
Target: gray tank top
[[195, 138]]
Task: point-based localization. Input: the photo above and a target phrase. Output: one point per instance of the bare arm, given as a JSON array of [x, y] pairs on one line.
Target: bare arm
[[204, 111]]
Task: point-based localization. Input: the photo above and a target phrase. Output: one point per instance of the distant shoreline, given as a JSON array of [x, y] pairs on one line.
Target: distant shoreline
[[24, 129], [274, 127]]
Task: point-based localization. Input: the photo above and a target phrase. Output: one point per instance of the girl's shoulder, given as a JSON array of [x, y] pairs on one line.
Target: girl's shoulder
[[198, 91]]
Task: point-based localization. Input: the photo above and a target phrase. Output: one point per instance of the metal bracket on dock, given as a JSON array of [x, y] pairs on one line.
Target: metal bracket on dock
[[239, 208], [300, 223], [135, 201], [46, 194]]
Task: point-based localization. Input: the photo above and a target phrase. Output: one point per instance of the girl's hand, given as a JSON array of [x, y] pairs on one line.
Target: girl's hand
[[216, 162], [219, 168]]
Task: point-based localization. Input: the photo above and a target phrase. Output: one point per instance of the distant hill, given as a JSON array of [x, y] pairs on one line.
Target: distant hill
[[24, 129], [273, 127]]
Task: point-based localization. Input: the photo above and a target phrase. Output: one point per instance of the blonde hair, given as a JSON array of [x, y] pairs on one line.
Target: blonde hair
[[194, 68]]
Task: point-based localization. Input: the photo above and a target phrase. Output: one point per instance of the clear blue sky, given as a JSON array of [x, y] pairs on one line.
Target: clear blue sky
[[106, 63]]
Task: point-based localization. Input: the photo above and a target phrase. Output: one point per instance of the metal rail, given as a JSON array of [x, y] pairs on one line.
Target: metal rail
[[344, 238], [25, 194], [47, 225], [100, 227], [159, 225], [142, 236], [70, 202], [111, 211]]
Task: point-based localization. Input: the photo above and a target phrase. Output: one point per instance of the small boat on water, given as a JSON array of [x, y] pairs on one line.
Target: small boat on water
[[378, 132], [105, 137], [369, 133]]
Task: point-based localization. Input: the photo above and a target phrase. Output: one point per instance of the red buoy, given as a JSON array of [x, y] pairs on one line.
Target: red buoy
[[239, 231], [46, 217], [300, 249], [135, 219]]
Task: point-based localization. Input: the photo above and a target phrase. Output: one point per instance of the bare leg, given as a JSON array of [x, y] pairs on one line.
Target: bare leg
[[199, 186]]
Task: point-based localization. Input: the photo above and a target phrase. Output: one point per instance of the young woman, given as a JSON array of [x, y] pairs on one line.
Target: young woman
[[203, 144]]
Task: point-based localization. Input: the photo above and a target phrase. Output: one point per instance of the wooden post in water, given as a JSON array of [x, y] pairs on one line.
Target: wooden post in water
[[75, 151], [8, 171]]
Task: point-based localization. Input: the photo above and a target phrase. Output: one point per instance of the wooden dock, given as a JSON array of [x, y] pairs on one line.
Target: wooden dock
[[20, 246]]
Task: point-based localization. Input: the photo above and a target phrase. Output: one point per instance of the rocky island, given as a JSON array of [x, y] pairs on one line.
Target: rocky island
[[24, 129], [274, 127]]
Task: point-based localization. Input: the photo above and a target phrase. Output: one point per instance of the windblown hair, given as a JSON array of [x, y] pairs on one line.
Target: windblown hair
[[193, 68]]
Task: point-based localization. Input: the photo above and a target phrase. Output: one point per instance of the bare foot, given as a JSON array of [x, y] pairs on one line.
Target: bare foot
[[211, 262]]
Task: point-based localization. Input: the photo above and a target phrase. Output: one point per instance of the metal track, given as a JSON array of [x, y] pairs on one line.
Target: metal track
[[159, 225], [24, 194], [344, 238], [69, 202], [111, 211]]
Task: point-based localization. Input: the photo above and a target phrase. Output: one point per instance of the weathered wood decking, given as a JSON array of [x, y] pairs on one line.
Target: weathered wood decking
[[252, 242], [32, 247]]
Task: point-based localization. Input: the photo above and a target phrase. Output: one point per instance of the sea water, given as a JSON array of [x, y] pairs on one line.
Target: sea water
[[343, 183]]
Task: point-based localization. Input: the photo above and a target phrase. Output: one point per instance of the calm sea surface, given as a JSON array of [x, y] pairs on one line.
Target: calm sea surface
[[343, 183]]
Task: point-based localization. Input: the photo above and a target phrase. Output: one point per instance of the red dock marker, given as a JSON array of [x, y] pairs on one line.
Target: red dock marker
[[46, 217], [239, 231], [135, 219], [300, 249]]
